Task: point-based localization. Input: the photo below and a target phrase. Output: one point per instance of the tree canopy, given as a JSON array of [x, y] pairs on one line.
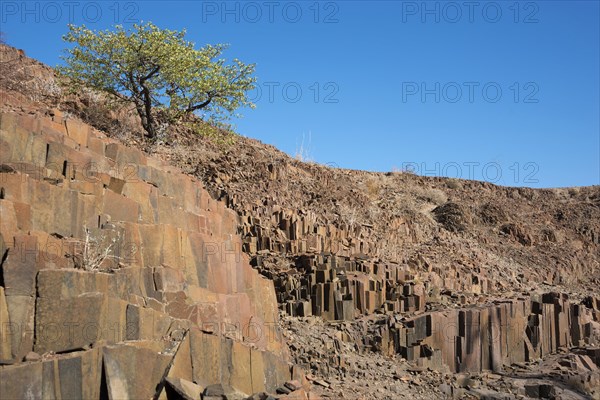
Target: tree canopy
[[157, 69]]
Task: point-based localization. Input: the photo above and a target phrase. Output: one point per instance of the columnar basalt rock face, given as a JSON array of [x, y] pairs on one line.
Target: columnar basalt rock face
[[120, 260], [490, 337], [302, 233], [335, 287], [473, 339], [339, 288]]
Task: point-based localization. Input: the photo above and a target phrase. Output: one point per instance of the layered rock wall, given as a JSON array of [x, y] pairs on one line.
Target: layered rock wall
[[117, 260]]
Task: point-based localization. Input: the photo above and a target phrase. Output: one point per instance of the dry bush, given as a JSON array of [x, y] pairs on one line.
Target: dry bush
[[434, 196], [549, 235], [453, 183], [221, 135], [453, 216], [115, 118], [374, 213], [303, 152], [373, 186], [492, 214], [97, 252], [573, 192], [517, 232], [348, 215]]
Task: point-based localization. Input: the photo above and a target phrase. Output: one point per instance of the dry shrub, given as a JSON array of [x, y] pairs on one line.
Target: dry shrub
[[453, 216], [97, 251], [373, 187], [433, 196], [517, 232], [492, 214], [115, 118], [453, 183], [221, 135], [348, 215], [573, 192], [549, 235]]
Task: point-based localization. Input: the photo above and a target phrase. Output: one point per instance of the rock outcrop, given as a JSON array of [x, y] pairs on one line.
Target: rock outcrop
[[113, 261], [493, 336]]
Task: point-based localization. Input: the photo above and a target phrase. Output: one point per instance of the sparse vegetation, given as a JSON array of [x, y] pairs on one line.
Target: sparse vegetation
[[103, 113], [373, 187], [25, 78], [303, 150], [453, 183], [453, 216], [433, 196], [97, 251], [221, 136], [348, 214]]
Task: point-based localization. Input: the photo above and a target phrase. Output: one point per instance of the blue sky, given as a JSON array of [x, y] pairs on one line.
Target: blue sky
[[506, 92]]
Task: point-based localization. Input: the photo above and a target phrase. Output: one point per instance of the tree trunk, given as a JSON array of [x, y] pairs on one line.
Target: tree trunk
[[143, 106], [151, 126], [139, 107]]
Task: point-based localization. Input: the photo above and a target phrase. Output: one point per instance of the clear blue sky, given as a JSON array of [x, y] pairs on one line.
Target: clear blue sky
[[501, 91]]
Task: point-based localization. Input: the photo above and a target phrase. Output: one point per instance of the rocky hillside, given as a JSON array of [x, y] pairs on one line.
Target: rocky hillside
[[115, 263], [388, 284]]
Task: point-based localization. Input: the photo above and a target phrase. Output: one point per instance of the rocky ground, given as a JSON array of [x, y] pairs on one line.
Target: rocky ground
[[341, 367]]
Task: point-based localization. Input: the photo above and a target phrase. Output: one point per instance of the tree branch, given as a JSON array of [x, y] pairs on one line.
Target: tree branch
[[210, 95]]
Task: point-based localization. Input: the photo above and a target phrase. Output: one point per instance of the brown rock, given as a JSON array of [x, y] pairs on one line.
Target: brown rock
[[20, 331], [64, 324], [74, 375], [206, 358], [32, 356], [22, 381], [184, 388], [5, 338], [146, 323], [21, 266], [182, 362], [293, 385], [122, 368]]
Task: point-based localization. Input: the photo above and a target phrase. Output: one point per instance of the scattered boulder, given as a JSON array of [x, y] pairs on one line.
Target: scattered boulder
[[184, 388]]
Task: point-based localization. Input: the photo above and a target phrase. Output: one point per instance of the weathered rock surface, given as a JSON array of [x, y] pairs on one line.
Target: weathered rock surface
[[121, 261], [379, 285]]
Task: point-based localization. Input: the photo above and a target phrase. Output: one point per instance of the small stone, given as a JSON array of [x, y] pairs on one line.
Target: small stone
[[32, 356], [214, 390], [283, 390], [293, 385], [322, 383]]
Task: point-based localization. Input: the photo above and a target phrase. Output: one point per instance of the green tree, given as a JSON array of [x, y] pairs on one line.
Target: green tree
[[158, 70]]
